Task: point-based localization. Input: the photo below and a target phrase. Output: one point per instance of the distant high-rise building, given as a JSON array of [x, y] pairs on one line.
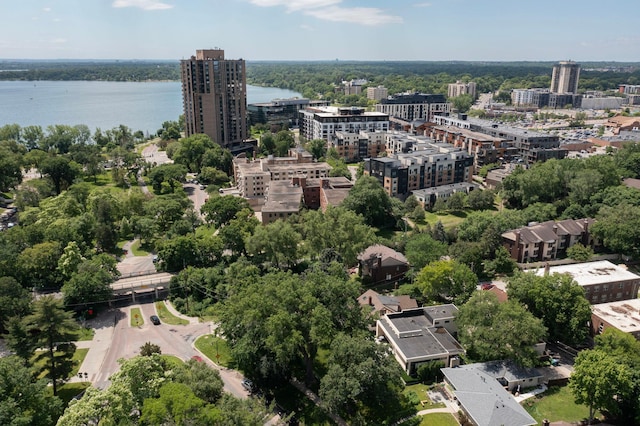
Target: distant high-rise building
[[377, 93], [459, 88], [565, 77], [214, 94]]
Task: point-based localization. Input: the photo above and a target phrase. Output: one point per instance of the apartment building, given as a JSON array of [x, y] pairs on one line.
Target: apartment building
[[377, 93], [357, 146], [548, 240], [437, 165], [622, 315], [252, 177], [427, 197], [414, 106], [565, 76], [459, 88], [324, 122], [214, 94], [602, 281], [281, 111]]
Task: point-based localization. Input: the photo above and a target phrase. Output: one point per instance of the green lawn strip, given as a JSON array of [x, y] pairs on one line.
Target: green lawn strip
[[84, 333], [420, 392], [136, 319], [556, 404], [40, 362], [67, 391], [172, 360], [205, 230], [137, 249], [438, 419], [167, 317], [448, 219], [211, 346]]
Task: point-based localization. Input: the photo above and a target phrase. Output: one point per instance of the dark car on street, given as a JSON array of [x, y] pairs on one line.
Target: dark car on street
[[154, 319]]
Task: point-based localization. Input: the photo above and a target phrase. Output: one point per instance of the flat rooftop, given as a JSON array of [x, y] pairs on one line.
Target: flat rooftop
[[623, 315], [590, 273]]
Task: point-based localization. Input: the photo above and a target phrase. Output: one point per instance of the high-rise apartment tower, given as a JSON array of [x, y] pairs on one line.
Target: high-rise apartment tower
[[214, 94], [565, 77]]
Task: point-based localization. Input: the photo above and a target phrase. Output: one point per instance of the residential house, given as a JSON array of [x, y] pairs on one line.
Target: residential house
[[483, 398], [417, 336], [381, 264], [380, 304]]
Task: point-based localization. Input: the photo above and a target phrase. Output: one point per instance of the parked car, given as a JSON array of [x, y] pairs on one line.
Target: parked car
[[248, 385], [154, 319]]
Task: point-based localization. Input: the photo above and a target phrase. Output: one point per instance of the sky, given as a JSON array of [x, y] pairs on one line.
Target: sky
[[259, 30]]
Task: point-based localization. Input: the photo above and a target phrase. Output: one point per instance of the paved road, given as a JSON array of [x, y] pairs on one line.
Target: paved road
[[153, 155], [113, 342], [196, 195]]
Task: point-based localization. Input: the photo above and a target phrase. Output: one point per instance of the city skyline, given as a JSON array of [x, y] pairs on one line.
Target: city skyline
[[434, 30]]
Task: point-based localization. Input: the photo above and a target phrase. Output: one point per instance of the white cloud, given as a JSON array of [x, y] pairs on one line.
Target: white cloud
[[357, 15], [426, 4], [142, 4], [329, 10]]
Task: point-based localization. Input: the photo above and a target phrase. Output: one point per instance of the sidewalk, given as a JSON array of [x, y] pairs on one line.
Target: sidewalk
[[174, 311], [98, 348]]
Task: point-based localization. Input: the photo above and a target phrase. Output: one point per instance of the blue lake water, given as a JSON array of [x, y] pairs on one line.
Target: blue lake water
[[103, 104]]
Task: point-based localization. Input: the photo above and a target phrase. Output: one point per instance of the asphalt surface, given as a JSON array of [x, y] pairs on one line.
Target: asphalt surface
[[115, 338]]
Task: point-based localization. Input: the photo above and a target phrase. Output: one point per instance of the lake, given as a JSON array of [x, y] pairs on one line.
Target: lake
[[104, 104]]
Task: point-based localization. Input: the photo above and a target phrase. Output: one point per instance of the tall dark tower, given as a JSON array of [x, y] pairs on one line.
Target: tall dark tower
[[214, 94], [565, 77]]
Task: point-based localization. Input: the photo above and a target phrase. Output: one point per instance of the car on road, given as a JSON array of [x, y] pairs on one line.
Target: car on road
[[154, 319], [248, 385], [202, 186]]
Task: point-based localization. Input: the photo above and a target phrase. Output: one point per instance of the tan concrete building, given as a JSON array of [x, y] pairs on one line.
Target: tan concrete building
[[377, 93], [565, 76], [459, 88], [214, 95], [622, 315], [357, 146]]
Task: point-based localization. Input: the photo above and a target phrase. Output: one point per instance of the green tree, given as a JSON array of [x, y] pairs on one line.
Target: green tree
[[149, 349], [177, 404], [275, 325], [457, 201], [317, 148], [337, 228], [367, 198], [61, 171], [362, 382], [24, 400], [191, 150], [171, 175], [91, 284], [557, 300], [15, 301], [579, 252], [38, 264], [619, 228], [462, 103], [446, 281], [219, 210], [276, 242], [492, 330], [204, 381], [10, 169], [50, 324], [598, 380], [481, 200]]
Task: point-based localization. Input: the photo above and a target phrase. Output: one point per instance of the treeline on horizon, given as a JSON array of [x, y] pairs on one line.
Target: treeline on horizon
[[318, 79]]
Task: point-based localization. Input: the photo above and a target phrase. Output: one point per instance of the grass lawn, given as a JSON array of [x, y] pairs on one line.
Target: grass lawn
[[205, 230], [167, 317], [137, 249], [40, 361], [420, 390], [84, 333], [448, 219], [211, 346], [172, 360], [136, 319], [556, 404], [439, 419], [67, 391]]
